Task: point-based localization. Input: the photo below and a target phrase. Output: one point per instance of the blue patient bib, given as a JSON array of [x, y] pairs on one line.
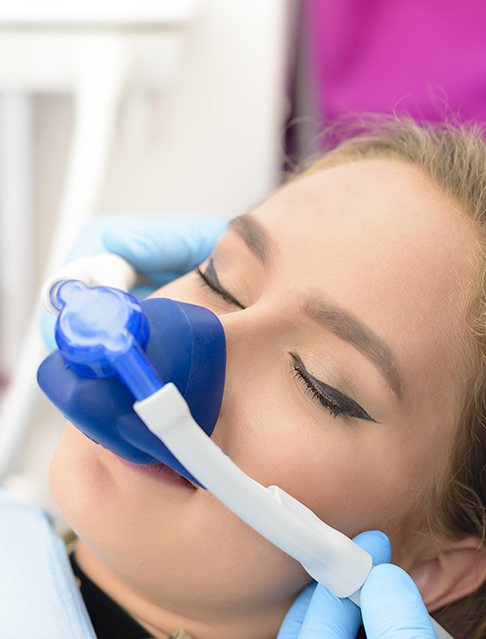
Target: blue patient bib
[[39, 597]]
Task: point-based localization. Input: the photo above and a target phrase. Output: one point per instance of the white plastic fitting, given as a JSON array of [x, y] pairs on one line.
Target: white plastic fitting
[[105, 269]]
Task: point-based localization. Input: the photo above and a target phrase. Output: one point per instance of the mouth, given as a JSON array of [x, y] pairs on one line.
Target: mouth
[[160, 472]]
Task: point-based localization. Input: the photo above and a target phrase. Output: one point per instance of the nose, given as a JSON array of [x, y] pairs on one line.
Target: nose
[[251, 336], [252, 330], [253, 344]]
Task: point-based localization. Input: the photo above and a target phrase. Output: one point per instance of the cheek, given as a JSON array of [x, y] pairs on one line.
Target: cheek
[[95, 499], [77, 478], [354, 477], [156, 554]]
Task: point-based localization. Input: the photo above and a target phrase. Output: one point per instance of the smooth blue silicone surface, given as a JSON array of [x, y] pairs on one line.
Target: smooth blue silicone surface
[[186, 346]]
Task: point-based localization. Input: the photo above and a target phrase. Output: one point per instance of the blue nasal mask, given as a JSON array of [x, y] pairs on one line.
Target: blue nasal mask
[[112, 349], [146, 381]]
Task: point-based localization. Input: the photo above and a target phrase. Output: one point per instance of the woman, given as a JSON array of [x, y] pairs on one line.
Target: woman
[[352, 305]]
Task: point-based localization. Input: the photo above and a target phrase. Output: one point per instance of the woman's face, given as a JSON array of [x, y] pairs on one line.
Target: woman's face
[[350, 278]]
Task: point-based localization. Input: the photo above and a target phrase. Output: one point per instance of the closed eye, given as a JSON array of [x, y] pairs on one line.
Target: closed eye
[[210, 278], [334, 401]]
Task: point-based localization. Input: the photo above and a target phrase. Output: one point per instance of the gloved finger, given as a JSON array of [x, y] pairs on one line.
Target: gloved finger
[[89, 242], [392, 607], [377, 544], [156, 245], [328, 616], [295, 616]]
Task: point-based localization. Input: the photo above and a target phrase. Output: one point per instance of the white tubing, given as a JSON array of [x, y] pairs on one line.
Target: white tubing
[[329, 557]]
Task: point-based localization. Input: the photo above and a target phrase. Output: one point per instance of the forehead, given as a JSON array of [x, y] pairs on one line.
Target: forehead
[[378, 238], [382, 202]]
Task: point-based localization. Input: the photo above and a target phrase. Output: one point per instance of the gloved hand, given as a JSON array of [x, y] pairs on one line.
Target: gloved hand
[[161, 248], [391, 605]]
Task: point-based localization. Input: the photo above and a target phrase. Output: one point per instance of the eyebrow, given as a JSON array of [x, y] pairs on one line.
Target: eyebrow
[[255, 236], [351, 329], [342, 322]]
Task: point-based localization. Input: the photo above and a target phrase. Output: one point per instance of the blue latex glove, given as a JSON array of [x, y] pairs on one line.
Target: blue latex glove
[[161, 248], [391, 605]]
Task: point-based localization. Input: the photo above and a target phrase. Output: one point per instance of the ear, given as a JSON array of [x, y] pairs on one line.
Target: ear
[[454, 573]]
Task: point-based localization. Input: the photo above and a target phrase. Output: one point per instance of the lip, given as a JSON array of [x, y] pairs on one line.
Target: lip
[[160, 472]]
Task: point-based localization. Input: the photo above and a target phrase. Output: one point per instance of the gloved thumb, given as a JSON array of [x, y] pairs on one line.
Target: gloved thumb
[[392, 607]]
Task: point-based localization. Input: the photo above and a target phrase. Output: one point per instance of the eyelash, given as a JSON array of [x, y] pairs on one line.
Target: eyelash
[[309, 387], [206, 282], [297, 367]]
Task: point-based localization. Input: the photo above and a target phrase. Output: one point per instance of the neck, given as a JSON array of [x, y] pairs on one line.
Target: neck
[[162, 623]]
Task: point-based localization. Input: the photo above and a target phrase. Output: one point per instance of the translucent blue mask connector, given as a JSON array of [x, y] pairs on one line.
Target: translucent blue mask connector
[[102, 332]]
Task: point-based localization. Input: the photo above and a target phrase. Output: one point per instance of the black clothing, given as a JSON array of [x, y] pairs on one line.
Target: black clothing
[[110, 620]]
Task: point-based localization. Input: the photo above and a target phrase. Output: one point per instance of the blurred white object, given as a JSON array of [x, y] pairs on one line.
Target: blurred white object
[[16, 220]]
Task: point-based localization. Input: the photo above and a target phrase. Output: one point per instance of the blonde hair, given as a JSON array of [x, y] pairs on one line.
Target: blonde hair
[[454, 158]]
